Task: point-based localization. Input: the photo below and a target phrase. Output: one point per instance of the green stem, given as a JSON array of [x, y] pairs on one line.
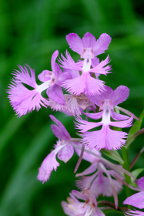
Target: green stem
[[127, 167]]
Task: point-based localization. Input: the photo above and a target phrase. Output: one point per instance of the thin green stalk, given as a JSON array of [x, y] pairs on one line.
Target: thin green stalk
[[127, 167]]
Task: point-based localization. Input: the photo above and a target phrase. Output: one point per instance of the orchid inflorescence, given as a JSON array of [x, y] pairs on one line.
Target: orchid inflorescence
[[75, 88]]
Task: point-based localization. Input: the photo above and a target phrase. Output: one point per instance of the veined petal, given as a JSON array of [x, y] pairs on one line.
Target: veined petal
[[84, 125], [94, 115], [118, 116], [55, 93], [48, 165], [122, 124], [102, 44], [88, 40], [66, 153], [59, 130], [75, 42], [55, 67], [105, 139], [120, 94], [136, 200]]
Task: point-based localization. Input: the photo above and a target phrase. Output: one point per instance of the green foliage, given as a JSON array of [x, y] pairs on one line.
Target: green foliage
[[135, 130], [30, 32]]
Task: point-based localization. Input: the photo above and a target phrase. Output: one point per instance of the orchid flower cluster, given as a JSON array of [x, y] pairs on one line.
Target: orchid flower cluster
[[75, 88]]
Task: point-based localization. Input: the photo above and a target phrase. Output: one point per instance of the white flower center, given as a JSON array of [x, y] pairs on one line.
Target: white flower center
[[106, 112], [86, 65]]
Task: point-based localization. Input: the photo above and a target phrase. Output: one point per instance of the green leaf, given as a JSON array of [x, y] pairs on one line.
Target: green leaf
[[134, 129], [114, 155], [137, 172]]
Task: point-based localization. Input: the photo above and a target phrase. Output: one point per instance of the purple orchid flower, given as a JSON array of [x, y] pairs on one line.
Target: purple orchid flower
[[137, 200], [74, 207], [88, 46], [99, 180], [106, 138], [26, 99], [82, 80], [63, 151]]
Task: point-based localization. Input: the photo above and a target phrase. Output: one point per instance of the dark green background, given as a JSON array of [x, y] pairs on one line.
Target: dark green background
[[29, 33]]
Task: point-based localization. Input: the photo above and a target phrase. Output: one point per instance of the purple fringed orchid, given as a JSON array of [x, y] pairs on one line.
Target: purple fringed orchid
[[84, 75], [137, 200], [106, 137], [99, 180], [74, 207], [63, 151], [26, 95]]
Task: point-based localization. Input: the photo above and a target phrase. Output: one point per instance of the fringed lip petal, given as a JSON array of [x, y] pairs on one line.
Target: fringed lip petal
[[48, 165], [105, 139]]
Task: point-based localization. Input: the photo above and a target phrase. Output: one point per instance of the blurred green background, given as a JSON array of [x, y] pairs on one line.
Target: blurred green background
[[29, 33]]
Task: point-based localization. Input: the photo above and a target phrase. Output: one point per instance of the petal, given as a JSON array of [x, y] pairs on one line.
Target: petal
[[67, 62], [25, 75], [55, 67], [122, 124], [140, 183], [48, 165], [45, 75], [120, 94], [59, 130], [118, 116], [93, 86], [86, 155], [24, 100], [89, 41], [55, 93], [105, 139], [92, 168], [101, 68], [99, 99], [66, 153], [75, 42], [75, 86], [84, 125], [102, 44], [94, 115], [136, 200]]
